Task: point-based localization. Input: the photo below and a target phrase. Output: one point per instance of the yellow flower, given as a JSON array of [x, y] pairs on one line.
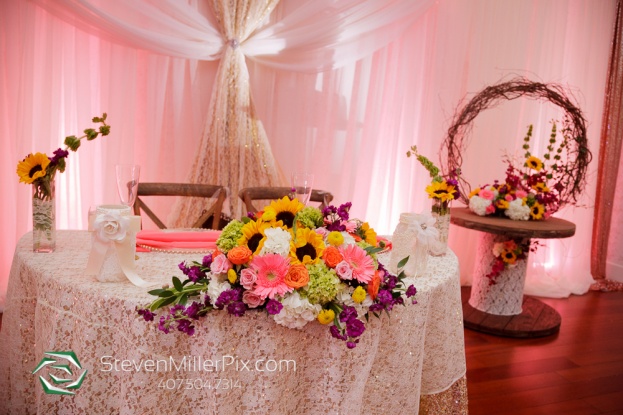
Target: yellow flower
[[326, 316], [32, 167], [359, 295], [335, 238], [306, 247], [501, 204], [534, 163], [474, 192], [282, 212], [536, 211], [441, 191], [253, 235], [509, 257], [231, 276], [369, 234], [541, 187]]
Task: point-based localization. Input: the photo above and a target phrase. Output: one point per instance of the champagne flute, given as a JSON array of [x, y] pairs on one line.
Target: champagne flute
[[127, 182], [302, 185]]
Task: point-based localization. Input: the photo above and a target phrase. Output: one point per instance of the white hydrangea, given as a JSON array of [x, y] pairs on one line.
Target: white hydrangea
[[296, 311], [479, 205], [348, 238], [518, 210], [277, 242], [215, 288], [344, 296]]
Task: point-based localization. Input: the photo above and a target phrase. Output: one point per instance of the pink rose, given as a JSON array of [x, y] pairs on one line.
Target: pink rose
[[490, 209], [248, 278], [344, 271], [220, 265], [521, 194], [508, 198], [350, 226], [252, 299], [486, 194]]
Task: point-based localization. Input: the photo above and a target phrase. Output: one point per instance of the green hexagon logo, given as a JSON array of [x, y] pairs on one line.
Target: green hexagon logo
[[62, 379]]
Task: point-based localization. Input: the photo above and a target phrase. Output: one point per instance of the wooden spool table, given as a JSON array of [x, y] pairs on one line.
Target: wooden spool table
[[501, 309]]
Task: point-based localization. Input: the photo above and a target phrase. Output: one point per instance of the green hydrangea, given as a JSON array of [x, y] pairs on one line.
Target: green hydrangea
[[229, 236], [323, 284], [310, 217]]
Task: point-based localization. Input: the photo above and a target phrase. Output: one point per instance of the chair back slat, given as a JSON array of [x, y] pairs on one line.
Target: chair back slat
[[250, 194]]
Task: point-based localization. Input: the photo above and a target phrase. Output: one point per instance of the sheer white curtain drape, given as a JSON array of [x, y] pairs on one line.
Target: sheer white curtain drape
[[351, 125]]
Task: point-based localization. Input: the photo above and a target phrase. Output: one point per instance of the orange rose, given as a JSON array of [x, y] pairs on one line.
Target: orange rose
[[297, 276], [332, 256], [373, 285], [216, 253], [239, 255]]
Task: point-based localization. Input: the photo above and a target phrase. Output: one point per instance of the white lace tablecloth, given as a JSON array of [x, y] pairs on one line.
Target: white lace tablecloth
[[52, 306]]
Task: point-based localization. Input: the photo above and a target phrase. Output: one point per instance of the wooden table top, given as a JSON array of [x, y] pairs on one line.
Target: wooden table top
[[549, 229]]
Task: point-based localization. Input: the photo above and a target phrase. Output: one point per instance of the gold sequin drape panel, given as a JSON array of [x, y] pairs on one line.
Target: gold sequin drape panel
[[609, 156], [234, 150]]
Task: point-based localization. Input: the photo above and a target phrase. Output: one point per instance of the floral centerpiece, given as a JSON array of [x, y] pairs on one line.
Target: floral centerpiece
[[40, 170], [531, 192], [296, 263]]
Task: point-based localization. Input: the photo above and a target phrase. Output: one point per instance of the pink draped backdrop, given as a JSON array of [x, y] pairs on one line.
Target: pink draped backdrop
[[346, 104]]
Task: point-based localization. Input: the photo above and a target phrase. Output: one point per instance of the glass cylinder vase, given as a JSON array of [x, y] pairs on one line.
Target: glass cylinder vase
[[441, 212], [43, 216]]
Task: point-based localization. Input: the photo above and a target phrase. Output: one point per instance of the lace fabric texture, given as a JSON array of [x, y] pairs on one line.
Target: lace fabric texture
[[53, 306]]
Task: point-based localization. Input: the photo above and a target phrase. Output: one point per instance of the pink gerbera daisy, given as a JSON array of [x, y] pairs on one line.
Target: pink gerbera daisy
[[271, 270], [360, 262]]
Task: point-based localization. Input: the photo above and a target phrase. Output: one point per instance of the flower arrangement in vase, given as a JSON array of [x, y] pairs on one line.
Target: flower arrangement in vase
[[39, 170], [296, 263]]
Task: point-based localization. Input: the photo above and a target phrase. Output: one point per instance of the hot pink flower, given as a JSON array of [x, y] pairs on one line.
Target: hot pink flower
[[508, 198], [360, 262], [486, 194], [521, 194], [490, 209], [271, 270]]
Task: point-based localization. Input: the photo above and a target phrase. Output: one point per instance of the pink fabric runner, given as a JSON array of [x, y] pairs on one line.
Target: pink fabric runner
[[161, 239]]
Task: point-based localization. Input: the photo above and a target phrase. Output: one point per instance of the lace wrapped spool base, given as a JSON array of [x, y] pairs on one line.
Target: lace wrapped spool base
[[406, 244], [505, 297], [43, 217]]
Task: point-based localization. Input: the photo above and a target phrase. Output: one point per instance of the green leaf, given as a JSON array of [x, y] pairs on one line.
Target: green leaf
[[72, 142], [105, 129], [161, 303], [166, 293], [403, 262], [91, 134], [156, 291], [183, 299], [177, 284], [372, 250]]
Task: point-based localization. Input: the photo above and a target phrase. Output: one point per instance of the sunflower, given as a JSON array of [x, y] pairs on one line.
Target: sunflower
[[253, 235], [501, 204], [282, 212], [369, 235], [474, 192], [440, 190], [32, 167], [536, 211], [534, 163], [306, 247], [541, 187], [509, 257]]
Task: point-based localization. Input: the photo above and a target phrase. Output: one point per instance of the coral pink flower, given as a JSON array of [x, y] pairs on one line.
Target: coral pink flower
[[271, 270], [360, 262], [490, 209], [508, 198], [521, 194], [486, 194]]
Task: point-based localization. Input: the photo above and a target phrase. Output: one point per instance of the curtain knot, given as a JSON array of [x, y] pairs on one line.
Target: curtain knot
[[233, 43]]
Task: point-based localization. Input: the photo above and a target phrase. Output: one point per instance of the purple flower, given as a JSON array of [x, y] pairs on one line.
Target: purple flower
[[207, 261], [236, 308], [336, 226], [355, 327], [147, 315], [352, 345], [185, 326], [163, 324], [195, 274], [342, 212], [182, 266], [192, 310], [384, 297], [376, 307], [390, 282], [348, 313], [58, 154], [227, 297], [335, 332], [273, 307], [411, 291]]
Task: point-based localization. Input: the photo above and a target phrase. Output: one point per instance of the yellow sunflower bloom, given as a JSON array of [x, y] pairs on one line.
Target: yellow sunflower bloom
[[474, 192], [509, 257], [369, 234], [541, 187], [534, 163], [253, 235], [282, 212], [501, 204], [441, 191], [306, 247], [32, 167], [536, 211]]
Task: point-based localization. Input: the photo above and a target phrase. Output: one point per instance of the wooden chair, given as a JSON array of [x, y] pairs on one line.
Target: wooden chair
[[210, 218], [249, 194]]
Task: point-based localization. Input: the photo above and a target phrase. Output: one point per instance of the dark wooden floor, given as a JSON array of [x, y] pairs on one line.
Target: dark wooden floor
[[576, 371]]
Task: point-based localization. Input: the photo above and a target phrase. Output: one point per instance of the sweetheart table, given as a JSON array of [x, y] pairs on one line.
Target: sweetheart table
[[411, 361]]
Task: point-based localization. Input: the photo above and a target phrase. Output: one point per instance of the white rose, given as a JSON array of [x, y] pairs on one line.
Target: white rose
[[111, 227]]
